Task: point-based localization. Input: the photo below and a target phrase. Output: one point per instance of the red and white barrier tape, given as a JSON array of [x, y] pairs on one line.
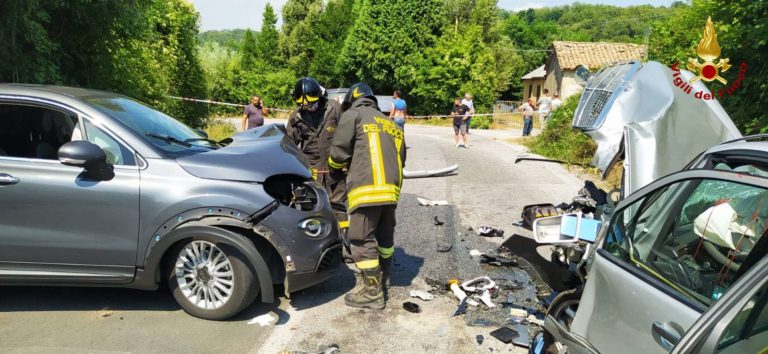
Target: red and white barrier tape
[[188, 99]]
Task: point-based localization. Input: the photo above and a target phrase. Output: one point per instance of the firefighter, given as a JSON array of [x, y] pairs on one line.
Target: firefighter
[[371, 147], [311, 127]]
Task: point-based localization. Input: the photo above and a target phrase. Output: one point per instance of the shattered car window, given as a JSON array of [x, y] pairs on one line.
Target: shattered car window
[[696, 236]]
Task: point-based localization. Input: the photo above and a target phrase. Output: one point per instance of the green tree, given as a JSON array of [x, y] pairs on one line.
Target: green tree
[[298, 38], [388, 39], [248, 51], [268, 39]]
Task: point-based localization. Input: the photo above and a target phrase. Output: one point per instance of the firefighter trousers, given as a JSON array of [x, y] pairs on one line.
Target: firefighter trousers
[[371, 234]]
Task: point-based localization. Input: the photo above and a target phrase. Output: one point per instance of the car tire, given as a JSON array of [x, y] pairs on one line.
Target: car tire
[[211, 279]]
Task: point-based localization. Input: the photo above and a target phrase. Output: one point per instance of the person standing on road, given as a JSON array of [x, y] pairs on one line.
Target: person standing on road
[[467, 101], [459, 114], [544, 105], [254, 113], [399, 109], [372, 148], [311, 127], [528, 110]]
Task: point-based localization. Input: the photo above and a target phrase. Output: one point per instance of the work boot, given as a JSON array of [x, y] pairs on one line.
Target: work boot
[[386, 271], [370, 295]]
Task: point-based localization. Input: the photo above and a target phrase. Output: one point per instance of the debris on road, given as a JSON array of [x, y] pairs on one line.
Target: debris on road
[[518, 312], [497, 261], [479, 338], [423, 295], [267, 319], [480, 322], [323, 349], [440, 172], [487, 231], [475, 253], [505, 334], [427, 202], [411, 307], [438, 222]]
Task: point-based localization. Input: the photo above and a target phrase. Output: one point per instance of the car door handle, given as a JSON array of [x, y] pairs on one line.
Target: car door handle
[[665, 337], [6, 179]]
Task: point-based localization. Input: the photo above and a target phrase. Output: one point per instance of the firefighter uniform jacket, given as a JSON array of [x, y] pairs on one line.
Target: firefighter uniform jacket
[[315, 143], [371, 146]]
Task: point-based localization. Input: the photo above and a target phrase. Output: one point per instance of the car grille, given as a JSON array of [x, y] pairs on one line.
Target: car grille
[[601, 91], [331, 258]]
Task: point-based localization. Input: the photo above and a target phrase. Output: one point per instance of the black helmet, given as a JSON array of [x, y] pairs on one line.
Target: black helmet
[[307, 92], [358, 90]]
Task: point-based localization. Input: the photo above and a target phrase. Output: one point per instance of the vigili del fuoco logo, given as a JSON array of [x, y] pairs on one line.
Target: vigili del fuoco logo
[[708, 67]]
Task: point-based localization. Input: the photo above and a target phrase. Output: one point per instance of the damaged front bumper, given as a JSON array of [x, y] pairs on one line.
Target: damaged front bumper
[[307, 259]]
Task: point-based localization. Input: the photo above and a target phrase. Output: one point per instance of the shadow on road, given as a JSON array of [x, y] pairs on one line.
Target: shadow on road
[[406, 268], [41, 299]]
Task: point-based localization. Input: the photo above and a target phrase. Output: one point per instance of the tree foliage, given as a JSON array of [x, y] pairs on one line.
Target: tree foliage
[[141, 48]]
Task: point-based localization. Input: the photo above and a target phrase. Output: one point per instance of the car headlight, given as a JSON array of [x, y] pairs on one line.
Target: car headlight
[[315, 227]]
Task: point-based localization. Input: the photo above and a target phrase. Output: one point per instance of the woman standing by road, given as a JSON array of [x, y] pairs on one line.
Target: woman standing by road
[[399, 109]]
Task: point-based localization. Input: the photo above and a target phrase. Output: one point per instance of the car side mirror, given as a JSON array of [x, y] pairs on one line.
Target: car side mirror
[[89, 156], [202, 133]]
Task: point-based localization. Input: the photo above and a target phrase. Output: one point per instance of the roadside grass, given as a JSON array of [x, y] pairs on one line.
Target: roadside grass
[[219, 129], [560, 141]]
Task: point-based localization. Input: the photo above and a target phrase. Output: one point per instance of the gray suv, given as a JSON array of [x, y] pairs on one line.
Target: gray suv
[[98, 189]]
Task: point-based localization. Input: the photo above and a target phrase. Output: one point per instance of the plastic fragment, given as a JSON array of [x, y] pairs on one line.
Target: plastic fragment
[[505, 334], [422, 295], [427, 202], [475, 253], [479, 338], [411, 307], [264, 320]]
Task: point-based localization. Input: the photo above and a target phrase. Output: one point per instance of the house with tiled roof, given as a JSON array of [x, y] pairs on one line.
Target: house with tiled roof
[[568, 60]]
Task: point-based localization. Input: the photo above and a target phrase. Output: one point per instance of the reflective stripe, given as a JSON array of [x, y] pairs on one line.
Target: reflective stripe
[[314, 174], [335, 165], [343, 224], [399, 145], [372, 263], [387, 188], [377, 163], [373, 194], [386, 252]]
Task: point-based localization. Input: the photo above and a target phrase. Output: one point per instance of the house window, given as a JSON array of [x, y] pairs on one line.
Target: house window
[[538, 91]]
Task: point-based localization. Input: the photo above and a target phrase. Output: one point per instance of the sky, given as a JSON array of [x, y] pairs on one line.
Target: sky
[[229, 14]]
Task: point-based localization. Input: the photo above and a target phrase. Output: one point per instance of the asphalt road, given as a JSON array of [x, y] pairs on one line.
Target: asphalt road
[[489, 189]]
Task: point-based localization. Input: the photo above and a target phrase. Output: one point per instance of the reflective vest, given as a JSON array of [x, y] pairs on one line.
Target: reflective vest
[[371, 146]]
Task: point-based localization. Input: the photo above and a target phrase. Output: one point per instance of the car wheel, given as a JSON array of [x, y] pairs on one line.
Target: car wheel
[[211, 280]]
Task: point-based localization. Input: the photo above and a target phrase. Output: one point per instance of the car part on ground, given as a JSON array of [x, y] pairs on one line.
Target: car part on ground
[[440, 172], [635, 110]]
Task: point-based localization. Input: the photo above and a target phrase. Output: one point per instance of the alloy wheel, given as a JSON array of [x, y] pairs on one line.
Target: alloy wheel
[[204, 275]]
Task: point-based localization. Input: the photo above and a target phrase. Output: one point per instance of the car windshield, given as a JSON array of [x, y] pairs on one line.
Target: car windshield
[[167, 134]]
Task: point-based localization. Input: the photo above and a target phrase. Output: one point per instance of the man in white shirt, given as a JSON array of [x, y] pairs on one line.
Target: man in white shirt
[[467, 101], [556, 102]]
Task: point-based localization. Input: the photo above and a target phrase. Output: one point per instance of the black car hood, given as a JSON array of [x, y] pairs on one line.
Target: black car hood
[[251, 156]]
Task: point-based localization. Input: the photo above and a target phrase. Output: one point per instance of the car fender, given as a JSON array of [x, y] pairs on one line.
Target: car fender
[[147, 279]]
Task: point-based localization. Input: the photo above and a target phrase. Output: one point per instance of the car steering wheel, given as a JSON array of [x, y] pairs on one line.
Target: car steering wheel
[[724, 259]]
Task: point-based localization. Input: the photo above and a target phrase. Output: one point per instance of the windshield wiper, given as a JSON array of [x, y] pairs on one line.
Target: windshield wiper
[[169, 139], [202, 139]]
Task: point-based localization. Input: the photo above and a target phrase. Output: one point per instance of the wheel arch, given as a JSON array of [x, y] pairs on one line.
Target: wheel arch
[[149, 277]]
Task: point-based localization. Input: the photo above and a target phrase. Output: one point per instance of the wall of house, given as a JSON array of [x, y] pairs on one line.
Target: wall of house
[[531, 87], [569, 86]]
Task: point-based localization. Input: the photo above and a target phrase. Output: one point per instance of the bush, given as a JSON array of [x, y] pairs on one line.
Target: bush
[[219, 130], [559, 140], [482, 122]]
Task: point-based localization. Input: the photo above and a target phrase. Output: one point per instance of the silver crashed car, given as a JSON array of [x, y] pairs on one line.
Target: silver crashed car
[[678, 266], [97, 189]]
